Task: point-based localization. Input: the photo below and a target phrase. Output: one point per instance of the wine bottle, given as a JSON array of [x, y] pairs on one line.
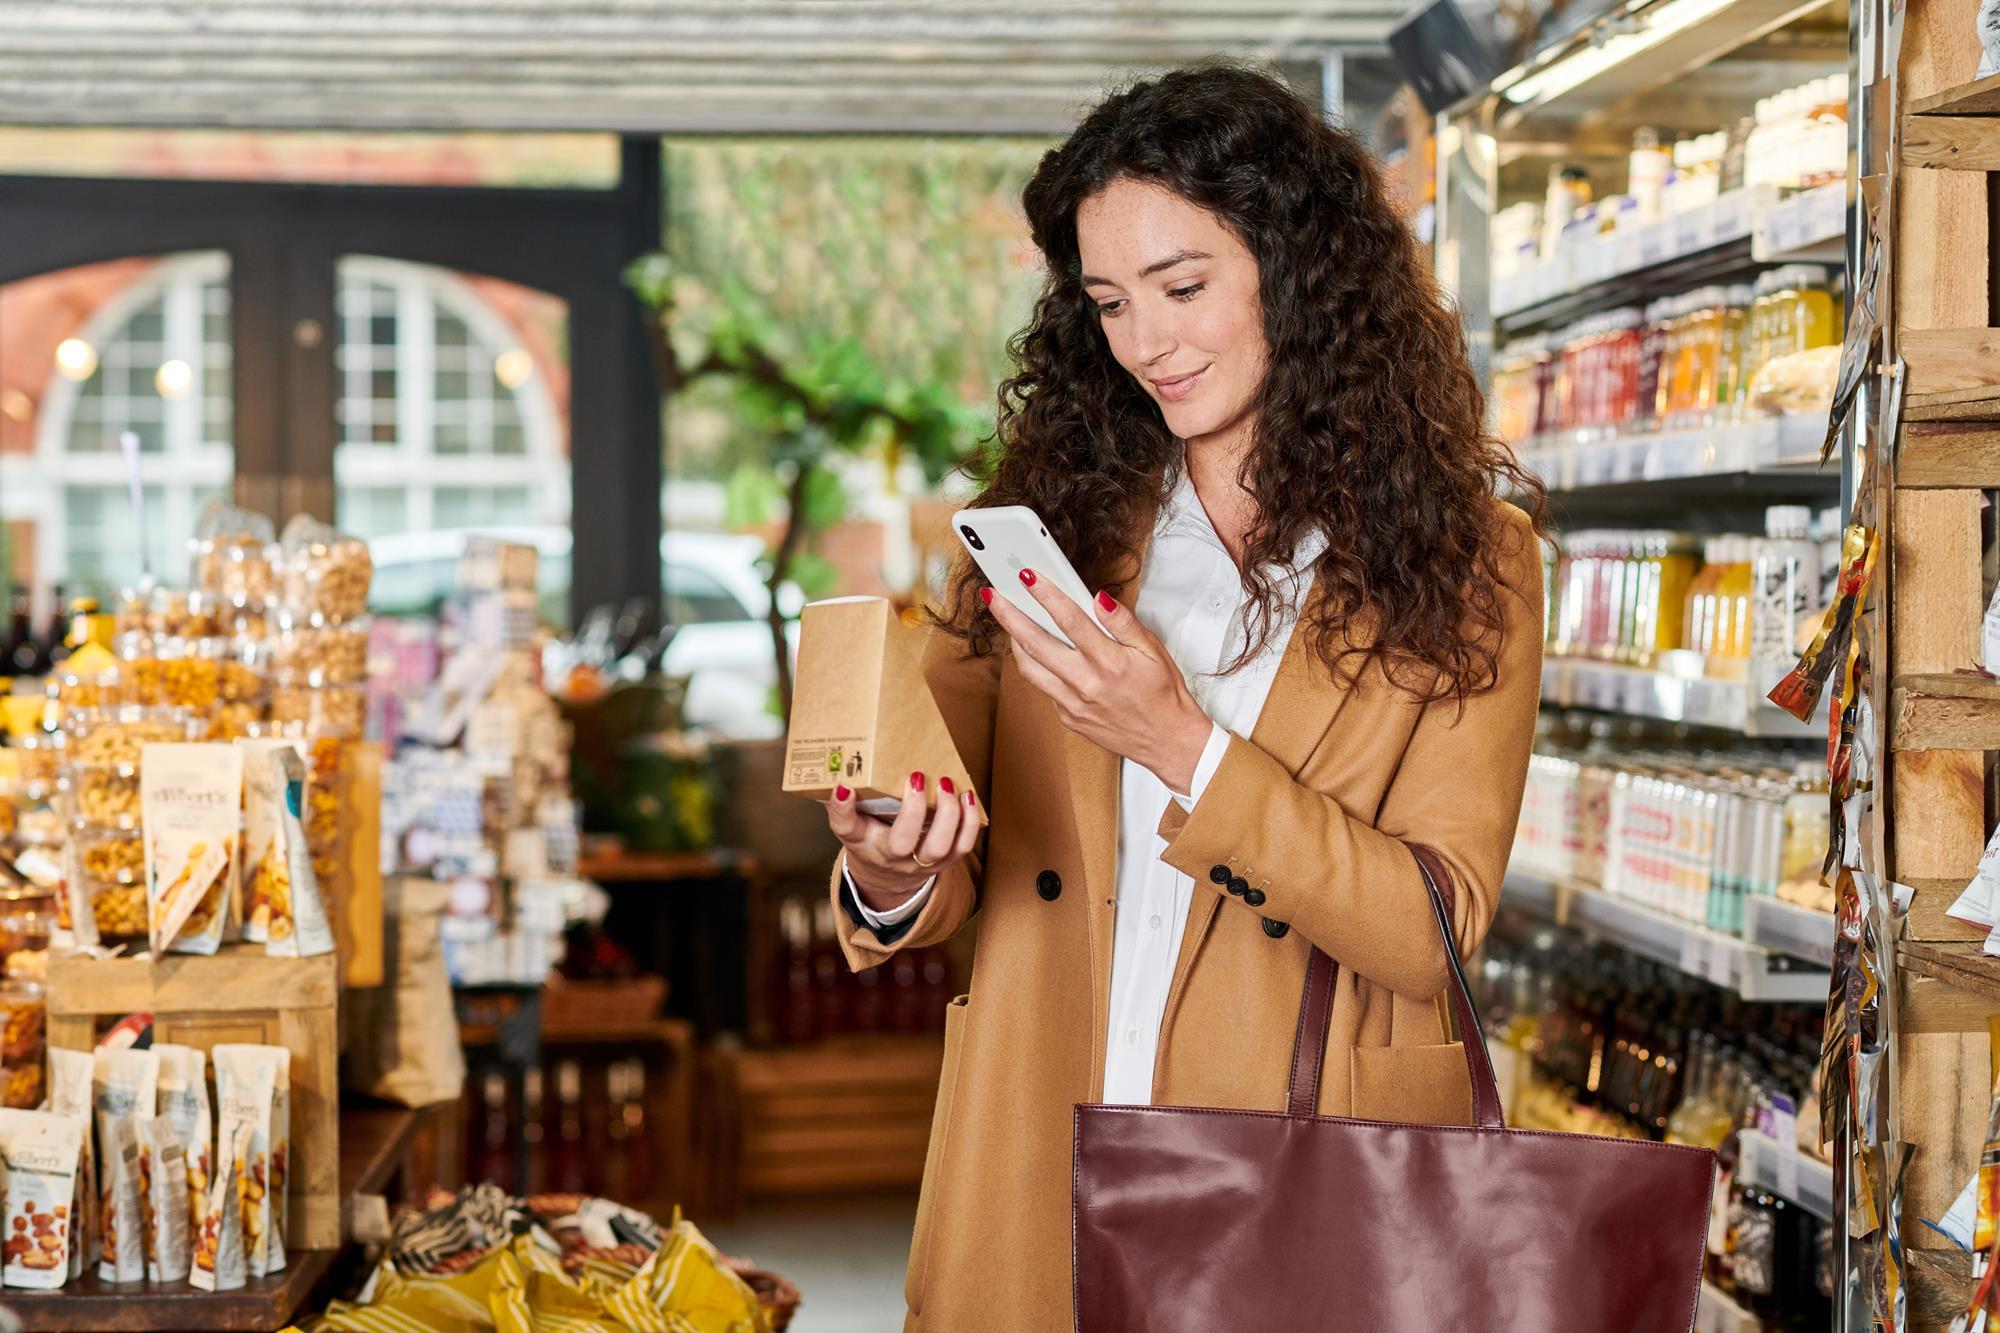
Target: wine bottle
[[54, 645]]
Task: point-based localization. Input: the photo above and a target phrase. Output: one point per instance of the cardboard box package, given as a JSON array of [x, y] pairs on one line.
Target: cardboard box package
[[861, 713]]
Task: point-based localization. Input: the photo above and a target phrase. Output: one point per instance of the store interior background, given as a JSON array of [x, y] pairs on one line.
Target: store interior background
[[404, 271]]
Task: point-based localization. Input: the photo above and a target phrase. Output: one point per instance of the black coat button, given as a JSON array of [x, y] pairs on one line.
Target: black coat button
[[1049, 885], [1277, 930], [1218, 874], [1255, 897], [1238, 886]]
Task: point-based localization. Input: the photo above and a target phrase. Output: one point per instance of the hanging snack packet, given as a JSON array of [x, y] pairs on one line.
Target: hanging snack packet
[[266, 878], [298, 914], [121, 1255], [184, 1105], [163, 1172], [70, 1074], [257, 1080], [41, 1150], [191, 801]]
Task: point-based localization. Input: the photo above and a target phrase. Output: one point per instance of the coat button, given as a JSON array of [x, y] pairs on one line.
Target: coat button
[[1238, 886], [1049, 885], [1277, 930], [1218, 874], [1255, 897]]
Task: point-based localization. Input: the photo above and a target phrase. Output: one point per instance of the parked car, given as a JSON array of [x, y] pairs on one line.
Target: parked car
[[713, 593]]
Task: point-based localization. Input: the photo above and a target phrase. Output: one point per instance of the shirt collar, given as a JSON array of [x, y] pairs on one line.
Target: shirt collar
[[1183, 516]]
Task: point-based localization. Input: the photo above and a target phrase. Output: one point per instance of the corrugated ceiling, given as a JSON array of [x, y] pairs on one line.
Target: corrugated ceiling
[[631, 65]]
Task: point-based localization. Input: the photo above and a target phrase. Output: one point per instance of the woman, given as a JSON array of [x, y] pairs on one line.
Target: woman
[[1244, 412]]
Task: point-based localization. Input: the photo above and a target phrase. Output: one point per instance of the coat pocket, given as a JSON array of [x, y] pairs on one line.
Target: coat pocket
[[934, 1154], [1411, 1085]]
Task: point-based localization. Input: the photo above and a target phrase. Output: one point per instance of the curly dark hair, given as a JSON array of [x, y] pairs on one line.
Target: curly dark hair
[[1369, 421]]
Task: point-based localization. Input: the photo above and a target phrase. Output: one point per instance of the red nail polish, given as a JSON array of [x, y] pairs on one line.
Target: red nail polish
[[916, 782], [841, 793], [968, 800], [944, 785], [1028, 577], [1104, 600], [986, 596]]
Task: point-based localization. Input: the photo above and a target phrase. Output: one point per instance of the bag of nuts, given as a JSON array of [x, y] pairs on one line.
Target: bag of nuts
[[239, 1198], [184, 1105], [163, 1179], [70, 1076], [126, 1087], [298, 920], [242, 1073], [43, 1152], [192, 797], [266, 872]]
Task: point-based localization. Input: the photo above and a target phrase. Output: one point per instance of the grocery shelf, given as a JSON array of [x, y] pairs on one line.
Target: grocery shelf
[[1787, 928], [1981, 97], [1703, 701], [1787, 445], [1782, 1169], [1753, 973], [1717, 241]]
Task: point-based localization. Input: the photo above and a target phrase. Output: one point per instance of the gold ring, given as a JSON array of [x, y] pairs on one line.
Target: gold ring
[[928, 865]]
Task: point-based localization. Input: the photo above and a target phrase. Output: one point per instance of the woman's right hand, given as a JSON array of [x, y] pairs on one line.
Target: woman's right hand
[[882, 853]]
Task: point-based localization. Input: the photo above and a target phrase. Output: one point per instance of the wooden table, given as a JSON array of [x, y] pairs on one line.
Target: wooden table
[[374, 1145]]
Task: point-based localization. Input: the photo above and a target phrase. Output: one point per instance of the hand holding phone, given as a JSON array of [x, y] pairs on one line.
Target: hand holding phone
[[1005, 540]]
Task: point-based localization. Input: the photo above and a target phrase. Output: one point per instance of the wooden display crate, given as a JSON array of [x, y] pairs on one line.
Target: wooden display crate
[[241, 994], [848, 1113]]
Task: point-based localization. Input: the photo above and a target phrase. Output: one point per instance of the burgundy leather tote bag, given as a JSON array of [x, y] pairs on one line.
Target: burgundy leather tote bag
[[1189, 1219]]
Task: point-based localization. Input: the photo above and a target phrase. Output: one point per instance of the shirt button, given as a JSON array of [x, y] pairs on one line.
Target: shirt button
[[1132, 1037], [1156, 921]]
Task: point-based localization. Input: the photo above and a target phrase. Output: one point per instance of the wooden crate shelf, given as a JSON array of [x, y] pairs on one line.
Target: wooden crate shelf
[[850, 1113], [1981, 97], [1944, 711], [1938, 142], [1949, 455]]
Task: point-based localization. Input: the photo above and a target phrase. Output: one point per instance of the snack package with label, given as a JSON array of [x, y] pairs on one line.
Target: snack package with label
[[121, 1253], [184, 1105], [243, 1072], [191, 799], [218, 1242], [266, 878], [298, 914], [163, 1174], [862, 715], [41, 1150], [70, 1077]]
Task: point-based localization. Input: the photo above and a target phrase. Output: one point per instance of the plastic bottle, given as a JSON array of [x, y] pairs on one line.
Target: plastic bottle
[[1646, 173], [1730, 386], [1569, 190], [1698, 633], [1786, 584], [1733, 602]]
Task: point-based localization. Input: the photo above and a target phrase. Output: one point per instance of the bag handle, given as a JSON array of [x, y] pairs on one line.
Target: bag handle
[[1316, 1007]]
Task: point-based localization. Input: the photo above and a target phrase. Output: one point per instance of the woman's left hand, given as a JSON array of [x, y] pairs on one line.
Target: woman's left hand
[[1124, 693]]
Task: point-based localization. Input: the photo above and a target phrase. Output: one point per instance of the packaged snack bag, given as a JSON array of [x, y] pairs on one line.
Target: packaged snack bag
[[266, 876], [163, 1172], [184, 1105], [191, 801], [122, 1244], [298, 914], [243, 1072], [220, 1262], [125, 1088], [70, 1076], [41, 1150]]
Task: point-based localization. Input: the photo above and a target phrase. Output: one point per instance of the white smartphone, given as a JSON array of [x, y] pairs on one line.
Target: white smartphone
[[1006, 539]]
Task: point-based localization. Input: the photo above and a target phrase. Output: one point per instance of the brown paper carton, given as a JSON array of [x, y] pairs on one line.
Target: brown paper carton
[[861, 712]]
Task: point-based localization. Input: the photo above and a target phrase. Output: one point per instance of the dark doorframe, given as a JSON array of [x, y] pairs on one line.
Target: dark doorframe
[[283, 241]]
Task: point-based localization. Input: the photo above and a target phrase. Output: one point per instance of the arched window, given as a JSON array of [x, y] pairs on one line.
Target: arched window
[[445, 420]]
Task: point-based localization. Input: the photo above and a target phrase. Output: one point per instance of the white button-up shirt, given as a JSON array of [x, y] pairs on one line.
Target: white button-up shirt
[[1191, 597]]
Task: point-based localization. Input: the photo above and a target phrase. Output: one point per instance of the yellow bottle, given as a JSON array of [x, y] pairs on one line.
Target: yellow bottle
[[1698, 627], [1732, 615]]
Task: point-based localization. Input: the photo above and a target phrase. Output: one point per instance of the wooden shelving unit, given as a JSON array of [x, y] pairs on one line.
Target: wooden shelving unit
[[1942, 722]]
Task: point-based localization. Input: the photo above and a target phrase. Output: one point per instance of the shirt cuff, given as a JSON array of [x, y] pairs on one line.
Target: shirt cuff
[[1204, 769], [895, 916]]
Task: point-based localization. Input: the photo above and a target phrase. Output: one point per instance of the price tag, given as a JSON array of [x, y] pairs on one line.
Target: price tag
[[1652, 244], [1731, 216], [1630, 253], [1689, 233], [1721, 962], [1692, 954]]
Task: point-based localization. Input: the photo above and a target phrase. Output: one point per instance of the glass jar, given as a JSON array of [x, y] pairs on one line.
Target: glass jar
[[312, 653], [326, 710]]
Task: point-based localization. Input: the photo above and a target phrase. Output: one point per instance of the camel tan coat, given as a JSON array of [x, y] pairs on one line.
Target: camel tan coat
[[1312, 810]]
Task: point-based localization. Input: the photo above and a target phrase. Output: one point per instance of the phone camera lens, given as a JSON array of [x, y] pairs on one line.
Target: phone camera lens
[[972, 538]]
